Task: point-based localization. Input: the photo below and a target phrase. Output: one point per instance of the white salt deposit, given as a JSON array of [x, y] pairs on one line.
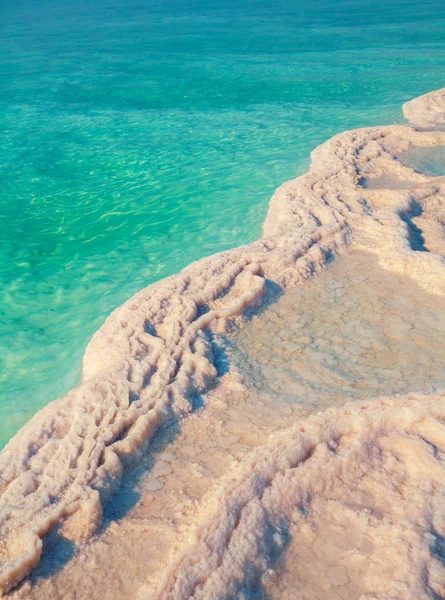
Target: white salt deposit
[[351, 497]]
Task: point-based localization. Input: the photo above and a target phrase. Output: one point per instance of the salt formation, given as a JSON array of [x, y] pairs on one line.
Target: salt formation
[[355, 493], [426, 111], [354, 332], [154, 355]]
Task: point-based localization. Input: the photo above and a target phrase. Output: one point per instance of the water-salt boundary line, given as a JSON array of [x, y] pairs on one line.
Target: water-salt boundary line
[[153, 354]]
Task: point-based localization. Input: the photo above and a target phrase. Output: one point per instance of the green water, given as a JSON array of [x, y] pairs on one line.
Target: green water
[[138, 136]]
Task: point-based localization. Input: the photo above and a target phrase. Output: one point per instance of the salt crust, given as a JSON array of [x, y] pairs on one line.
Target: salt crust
[[355, 493]]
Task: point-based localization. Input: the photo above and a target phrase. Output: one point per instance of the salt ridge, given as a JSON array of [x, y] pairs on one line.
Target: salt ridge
[[371, 472]]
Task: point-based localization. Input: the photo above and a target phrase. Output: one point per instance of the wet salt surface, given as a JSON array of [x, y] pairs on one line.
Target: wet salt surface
[[428, 161], [355, 331], [387, 181]]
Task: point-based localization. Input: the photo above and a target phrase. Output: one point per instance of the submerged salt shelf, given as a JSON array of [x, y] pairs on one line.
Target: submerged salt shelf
[[385, 182], [162, 454], [353, 332], [429, 161]]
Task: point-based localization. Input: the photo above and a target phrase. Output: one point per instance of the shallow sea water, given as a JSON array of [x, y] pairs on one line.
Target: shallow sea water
[[139, 136]]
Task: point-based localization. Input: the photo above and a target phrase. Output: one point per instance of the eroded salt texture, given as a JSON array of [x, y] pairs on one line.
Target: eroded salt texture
[[145, 372], [352, 498]]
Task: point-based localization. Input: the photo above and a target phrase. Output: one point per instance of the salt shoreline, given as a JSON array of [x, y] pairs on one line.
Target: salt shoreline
[[153, 355]]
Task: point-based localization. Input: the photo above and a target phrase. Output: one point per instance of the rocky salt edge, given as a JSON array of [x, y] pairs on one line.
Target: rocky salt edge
[[154, 355]]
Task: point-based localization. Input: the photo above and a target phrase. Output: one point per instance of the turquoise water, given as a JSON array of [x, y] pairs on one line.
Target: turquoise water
[[137, 136]]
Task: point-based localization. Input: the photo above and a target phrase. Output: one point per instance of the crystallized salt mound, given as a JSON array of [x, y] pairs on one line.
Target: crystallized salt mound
[[428, 110], [346, 504], [154, 354]]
